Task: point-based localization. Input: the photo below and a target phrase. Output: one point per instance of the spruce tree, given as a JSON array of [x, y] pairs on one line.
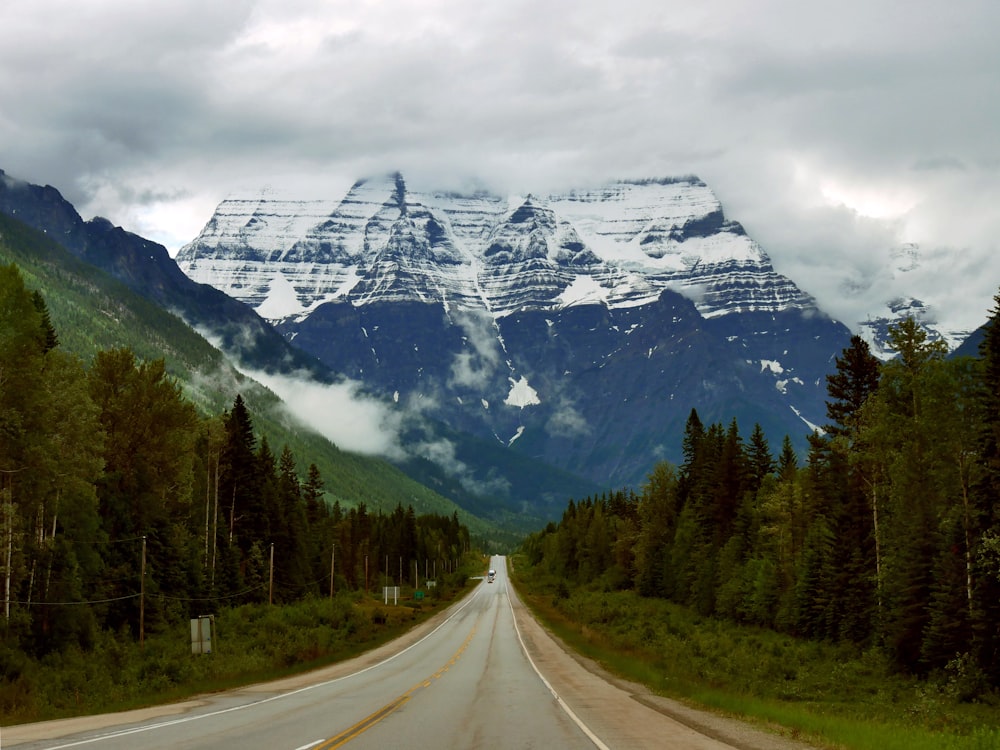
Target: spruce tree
[[986, 505], [850, 386], [238, 483], [759, 458]]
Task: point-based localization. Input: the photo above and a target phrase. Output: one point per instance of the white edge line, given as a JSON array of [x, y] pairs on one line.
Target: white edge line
[[185, 719], [562, 704]]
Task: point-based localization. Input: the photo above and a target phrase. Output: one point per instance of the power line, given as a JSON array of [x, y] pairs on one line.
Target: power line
[[66, 540], [208, 598], [70, 604]]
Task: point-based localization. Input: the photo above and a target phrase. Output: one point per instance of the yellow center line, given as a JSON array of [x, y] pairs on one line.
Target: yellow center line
[[372, 719]]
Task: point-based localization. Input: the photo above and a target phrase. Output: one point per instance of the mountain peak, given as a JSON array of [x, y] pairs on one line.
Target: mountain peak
[[632, 239]]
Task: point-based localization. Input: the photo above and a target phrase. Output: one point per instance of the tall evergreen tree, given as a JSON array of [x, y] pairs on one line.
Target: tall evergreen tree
[[913, 504], [787, 460], [761, 462], [239, 482], [150, 430], [850, 386], [986, 504], [50, 457], [51, 340]]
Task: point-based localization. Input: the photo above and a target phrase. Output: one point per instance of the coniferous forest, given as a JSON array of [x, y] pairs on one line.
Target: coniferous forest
[[124, 510], [886, 535]]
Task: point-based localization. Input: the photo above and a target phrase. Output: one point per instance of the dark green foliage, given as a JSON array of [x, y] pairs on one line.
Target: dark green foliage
[[93, 312], [984, 511], [123, 511], [889, 536], [850, 386]]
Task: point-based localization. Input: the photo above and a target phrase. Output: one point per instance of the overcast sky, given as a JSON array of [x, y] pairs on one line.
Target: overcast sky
[[834, 131]]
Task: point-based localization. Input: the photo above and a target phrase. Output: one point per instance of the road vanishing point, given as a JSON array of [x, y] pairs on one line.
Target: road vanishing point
[[481, 674]]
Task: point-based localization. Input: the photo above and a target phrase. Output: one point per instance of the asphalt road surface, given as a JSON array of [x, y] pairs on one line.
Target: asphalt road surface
[[482, 674]]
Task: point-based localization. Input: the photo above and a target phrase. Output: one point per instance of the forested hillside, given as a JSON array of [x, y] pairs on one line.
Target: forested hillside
[[117, 494], [886, 535], [93, 312]]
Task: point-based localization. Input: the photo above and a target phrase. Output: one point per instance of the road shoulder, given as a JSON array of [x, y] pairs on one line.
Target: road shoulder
[[629, 714]]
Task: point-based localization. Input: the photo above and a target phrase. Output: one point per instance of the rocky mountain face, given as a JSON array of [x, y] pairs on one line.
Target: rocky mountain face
[[579, 328], [480, 475], [147, 269]]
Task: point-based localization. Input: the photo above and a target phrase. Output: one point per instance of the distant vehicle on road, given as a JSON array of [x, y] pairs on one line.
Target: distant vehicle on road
[[491, 576]]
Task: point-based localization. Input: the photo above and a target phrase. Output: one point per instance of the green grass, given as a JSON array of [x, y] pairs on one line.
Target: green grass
[[253, 643], [830, 695]]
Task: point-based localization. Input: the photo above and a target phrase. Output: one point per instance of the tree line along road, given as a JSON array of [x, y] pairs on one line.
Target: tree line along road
[[482, 674]]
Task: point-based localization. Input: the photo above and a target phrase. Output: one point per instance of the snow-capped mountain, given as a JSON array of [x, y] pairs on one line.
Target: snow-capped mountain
[[905, 262], [581, 328], [620, 245]]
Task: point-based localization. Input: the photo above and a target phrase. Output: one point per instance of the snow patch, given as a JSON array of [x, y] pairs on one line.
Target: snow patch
[[583, 290], [521, 394], [281, 300], [814, 427]]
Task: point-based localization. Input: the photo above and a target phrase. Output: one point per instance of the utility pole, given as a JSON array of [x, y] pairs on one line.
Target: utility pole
[[333, 560], [142, 596]]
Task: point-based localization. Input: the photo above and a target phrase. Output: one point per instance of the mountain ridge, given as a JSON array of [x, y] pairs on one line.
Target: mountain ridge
[[630, 238], [146, 269], [504, 286]]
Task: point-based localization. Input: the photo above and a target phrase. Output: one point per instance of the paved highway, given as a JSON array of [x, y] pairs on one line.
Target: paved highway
[[483, 675]]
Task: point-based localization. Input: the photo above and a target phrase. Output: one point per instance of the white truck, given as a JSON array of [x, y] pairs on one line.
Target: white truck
[[491, 576]]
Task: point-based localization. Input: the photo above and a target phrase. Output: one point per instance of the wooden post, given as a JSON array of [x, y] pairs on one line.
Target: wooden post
[[142, 596]]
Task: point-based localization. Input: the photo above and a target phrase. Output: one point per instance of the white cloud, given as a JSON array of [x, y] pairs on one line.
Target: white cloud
[[566, 421], [341, 412], [832, 130], [476, 366], [442, 453]]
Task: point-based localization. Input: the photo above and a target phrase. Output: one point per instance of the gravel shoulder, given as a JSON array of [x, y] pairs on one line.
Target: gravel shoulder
[[629, 714], [621, 713]]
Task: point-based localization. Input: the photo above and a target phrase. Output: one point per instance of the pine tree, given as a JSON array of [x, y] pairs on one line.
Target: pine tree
[[787, 461], [238, 484], [850, 386], [759, 458], [50, 457], [853, 490], [150, 431], [51, 338], [985, 505], [911, 536]]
